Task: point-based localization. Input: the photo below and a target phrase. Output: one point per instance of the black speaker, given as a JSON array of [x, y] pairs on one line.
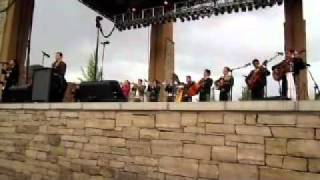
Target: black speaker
[[102, 91], [18, 94], [41, 82], [277, 98]]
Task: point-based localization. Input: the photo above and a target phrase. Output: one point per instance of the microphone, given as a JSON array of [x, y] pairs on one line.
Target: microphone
[[45, 54], [280, 53], [105, 43], [98, 19]]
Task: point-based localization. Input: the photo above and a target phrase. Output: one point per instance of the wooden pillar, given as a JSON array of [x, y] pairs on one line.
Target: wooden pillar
[[16, 33], [295, 38], [161, 66]]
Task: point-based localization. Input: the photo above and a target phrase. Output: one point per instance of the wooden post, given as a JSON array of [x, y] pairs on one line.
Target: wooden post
[[295, 38], [161, 65]]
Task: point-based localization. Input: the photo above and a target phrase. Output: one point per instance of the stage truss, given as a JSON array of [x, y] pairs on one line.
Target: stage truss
[[185, 11]]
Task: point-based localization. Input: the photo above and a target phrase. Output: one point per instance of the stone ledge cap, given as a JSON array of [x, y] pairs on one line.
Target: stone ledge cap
[[263, 106]]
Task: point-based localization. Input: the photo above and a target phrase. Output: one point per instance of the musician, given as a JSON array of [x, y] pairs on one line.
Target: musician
[[189, 83], [11, 74], [126, 89], [259, 73], [297, 66], [224, 84], [59, 83], [205, 90], [171, 91], [138, 91], [154, 91]]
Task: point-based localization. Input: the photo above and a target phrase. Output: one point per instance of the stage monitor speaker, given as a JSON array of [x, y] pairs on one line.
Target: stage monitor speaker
[[18, 94], [102, 91], [41, 85], [276, 98]]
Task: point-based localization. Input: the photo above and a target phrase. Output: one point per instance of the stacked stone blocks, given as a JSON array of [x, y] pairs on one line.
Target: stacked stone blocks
[[159, 145]]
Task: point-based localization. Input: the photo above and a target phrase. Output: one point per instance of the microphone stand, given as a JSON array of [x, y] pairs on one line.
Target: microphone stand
[[98, 26], [28, 62], [102, 61], [235, 69], [266, 64], [316, 86], [100, 30]]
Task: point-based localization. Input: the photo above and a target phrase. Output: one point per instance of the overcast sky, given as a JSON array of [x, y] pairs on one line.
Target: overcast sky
[[228, 40]]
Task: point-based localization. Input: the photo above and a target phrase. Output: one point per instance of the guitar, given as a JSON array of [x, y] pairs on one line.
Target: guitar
[[257, 77], [281, 69]]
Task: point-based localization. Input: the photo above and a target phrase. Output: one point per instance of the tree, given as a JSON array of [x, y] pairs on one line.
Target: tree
[[88, 72]]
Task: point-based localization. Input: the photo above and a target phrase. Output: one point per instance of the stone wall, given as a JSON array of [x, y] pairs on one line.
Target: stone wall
[[160, 141]]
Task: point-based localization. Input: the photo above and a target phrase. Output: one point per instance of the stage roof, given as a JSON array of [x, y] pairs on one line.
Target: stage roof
[[110, 8], [127, 14]]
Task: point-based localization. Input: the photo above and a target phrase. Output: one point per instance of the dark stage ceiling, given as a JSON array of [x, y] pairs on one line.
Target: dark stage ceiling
[[109, 8]]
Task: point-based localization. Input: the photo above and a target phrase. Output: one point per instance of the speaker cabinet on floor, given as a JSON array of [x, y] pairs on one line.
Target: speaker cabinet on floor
[[102, 91]]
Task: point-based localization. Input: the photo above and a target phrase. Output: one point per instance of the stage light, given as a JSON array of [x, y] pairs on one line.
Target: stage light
[[229, 9], [216, 13], [236, 8], [165, 3], [250, 7], [195, 17], [279, 2], [264, 3], [272, 2]]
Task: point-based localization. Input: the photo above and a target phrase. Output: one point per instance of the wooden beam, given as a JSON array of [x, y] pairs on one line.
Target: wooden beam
[[161, 65], [16, 33], [295, 38]]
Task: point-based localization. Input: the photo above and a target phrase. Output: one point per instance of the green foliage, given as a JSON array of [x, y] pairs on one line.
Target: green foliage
[[88, 72]]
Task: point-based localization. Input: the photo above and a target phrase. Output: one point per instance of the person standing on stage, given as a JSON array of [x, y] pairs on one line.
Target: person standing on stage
[[154, 91], [297, 66], [11, 78], [126, 89], [224, 84], [206, 83], [59, 83], [171, 91], [59, 66], [138, 91], [257, 80], [187, 86]]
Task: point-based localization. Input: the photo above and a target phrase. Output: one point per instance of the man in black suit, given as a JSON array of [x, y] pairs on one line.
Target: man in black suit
[[11, 78]]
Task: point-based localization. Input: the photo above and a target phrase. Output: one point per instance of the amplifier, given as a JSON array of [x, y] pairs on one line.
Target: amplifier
[[276, 98], [18, 94], [102, 91]]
